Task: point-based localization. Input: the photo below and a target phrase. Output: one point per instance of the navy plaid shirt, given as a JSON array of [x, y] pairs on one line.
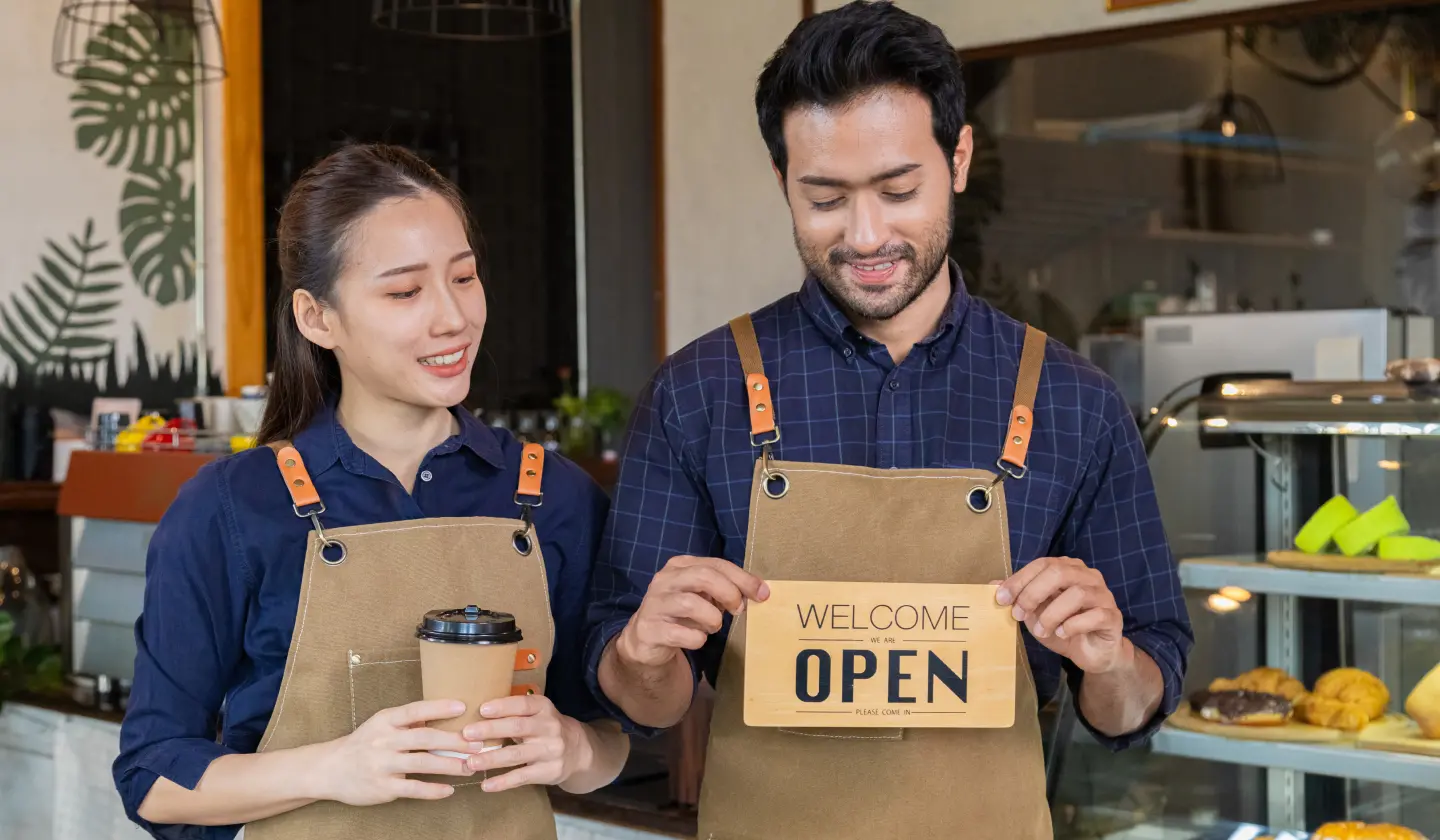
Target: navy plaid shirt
[[684, 485]]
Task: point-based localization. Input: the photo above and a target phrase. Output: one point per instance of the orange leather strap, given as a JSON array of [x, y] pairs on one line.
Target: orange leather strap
[[520, 689], [297, 479], [527, 659], [532, 469], [757, 386], [1022, 416]]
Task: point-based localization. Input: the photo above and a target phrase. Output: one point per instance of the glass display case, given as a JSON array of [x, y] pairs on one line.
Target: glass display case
[[1281, 608]]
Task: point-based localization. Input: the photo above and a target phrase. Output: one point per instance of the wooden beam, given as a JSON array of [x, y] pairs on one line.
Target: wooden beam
[[244, 197]]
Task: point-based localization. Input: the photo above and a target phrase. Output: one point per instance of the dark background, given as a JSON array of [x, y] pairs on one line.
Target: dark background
[[494, 117]]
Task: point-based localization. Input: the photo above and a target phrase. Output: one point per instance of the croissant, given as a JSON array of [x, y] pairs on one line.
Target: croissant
[[1345, 698], [1264, 680], [1361, 831]]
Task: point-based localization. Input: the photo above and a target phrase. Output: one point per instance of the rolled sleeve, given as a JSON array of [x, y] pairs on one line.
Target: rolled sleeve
[[188, 649], [659, 511], [1115, 527]]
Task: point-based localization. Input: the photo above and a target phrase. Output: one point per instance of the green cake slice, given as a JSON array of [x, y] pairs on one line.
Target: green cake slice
[[1409, 548], [1366, 531], [1320, 528]]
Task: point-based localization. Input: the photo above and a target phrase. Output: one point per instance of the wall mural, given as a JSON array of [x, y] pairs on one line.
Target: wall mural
[[133, 109]]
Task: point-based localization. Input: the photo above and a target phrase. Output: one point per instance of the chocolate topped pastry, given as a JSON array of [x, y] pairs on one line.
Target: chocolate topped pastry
[[1242, 708]]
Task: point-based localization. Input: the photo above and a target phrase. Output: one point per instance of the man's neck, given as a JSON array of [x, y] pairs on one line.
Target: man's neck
[[914, 323], [393, 433]]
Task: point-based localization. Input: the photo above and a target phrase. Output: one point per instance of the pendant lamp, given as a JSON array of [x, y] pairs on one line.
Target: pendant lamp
[[474, 20], [168, 42]]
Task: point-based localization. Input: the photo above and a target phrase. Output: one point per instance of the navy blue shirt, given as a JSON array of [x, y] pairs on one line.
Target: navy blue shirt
[[684, 485], [222, 584]]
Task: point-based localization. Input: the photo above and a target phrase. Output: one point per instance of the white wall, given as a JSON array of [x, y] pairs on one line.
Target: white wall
[[976, 24], [728, 240], [50, 188]]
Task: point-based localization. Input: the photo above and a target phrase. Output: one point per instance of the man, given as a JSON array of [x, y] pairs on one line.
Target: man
[[881, 425]]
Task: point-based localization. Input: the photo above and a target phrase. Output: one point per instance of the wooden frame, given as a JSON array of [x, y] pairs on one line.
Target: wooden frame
[[245, 362], [1127, 5]]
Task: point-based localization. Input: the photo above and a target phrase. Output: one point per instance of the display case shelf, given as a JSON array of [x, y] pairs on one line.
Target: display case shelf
[[1347, 762], [1282, 407], [1251, 573]]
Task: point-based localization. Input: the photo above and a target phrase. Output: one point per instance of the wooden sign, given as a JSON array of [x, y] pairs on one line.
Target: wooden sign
[[887, 655], [1126, 5]]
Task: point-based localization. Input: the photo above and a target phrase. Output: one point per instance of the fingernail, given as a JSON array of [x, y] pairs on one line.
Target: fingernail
[[487, 786], [449, 790], [487, 710], [1018, 613], [1039, 632], [1002, 596], [457, 707], [741, 608], [764, 591], [1060, 632]]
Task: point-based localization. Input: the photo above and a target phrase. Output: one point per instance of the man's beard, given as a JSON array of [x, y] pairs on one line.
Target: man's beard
[[881, 304]]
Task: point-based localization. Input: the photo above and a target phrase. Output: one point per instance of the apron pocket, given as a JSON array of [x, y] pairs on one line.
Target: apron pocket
[[841, 733], [382, 679]]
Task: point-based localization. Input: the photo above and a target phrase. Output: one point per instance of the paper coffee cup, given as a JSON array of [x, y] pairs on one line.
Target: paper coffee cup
[[467, 654]]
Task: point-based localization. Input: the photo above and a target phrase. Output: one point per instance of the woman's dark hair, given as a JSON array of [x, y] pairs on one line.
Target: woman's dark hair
[[321, 209], [833, 57]]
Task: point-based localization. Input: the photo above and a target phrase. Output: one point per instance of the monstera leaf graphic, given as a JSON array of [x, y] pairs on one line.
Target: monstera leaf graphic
[[57, 319], [157, 229], [133, 105]]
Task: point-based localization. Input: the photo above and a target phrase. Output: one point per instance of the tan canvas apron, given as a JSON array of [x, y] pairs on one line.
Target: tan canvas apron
[[354, 652], [839, 523]]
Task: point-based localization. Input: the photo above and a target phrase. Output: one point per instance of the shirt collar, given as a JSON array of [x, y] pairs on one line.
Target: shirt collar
[[837, 329], [325, 441]]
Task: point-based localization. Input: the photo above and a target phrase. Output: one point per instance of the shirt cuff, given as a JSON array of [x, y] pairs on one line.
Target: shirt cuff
[[182, 763], [600, 639], [1160, 648]]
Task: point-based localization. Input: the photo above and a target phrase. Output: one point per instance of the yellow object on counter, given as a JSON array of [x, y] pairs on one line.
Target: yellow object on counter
[[1362, 831], [1423, 704], [239, 443], [133, 437]]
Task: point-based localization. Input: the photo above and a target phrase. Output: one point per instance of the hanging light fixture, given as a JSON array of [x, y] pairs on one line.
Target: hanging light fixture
[[159, 42], [474, 20]]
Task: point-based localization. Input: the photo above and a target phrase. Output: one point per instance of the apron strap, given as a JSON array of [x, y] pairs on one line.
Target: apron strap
[[757, 386], [1022, 416], [532, 469], [297, 478]]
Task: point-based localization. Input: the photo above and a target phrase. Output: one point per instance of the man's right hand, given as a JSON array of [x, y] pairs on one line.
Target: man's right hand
[[685, 603]]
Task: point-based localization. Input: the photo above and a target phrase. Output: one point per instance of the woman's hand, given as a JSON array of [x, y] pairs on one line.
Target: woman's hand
[[550, 748], [369, 766]]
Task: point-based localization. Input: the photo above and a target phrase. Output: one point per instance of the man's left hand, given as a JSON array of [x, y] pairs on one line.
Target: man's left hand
[[1069, 610]]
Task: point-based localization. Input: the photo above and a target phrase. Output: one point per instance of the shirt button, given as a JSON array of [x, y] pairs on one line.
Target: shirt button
[[894, 384], [849, 352], [426, 476]]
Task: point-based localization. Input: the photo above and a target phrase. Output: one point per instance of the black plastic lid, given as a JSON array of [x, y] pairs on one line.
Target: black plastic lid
[[469, 625]]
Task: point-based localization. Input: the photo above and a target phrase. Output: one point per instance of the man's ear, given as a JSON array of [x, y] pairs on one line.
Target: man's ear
[[964, 151], [312, 317], [779, 178]]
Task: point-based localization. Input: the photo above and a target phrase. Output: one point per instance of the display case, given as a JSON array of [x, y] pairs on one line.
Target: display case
[[1306, 614]]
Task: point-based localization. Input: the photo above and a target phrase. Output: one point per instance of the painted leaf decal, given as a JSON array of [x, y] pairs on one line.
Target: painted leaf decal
[[157, 229], [133, 106], [56, 321]]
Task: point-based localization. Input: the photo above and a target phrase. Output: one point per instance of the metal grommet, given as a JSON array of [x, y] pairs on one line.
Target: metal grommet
[[522, 542], [530, 659], [529, 691], [354, 659], [326, 546], [769, 478], [985, 499], [289, 462]]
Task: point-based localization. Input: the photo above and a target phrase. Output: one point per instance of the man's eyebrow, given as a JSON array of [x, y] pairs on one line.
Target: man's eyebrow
[[839, 183]]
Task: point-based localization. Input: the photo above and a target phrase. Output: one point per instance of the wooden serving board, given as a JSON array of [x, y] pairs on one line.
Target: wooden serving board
[[1292, 731], [1397, 733], [1341, 563]]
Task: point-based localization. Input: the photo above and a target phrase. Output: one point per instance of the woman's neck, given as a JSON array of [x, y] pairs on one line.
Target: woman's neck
[[393, 433]]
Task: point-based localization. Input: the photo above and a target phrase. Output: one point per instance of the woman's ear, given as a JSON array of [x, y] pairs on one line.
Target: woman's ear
[[313, 319]]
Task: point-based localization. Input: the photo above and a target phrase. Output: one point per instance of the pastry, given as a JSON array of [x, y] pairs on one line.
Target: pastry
[[1413, 370], [1362, 831], [1345, 698], [1423, 704], [1241, 708], [1267, 680]]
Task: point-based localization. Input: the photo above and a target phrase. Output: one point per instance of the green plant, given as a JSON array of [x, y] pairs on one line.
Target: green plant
[[60, 322], [157, 226], [590, 420], [25, 668]]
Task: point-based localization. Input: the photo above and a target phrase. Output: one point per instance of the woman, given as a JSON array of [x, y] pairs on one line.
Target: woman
[[285, 584]]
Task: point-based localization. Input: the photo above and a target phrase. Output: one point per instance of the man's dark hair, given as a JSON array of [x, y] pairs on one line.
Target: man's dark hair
[[832, 57]]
